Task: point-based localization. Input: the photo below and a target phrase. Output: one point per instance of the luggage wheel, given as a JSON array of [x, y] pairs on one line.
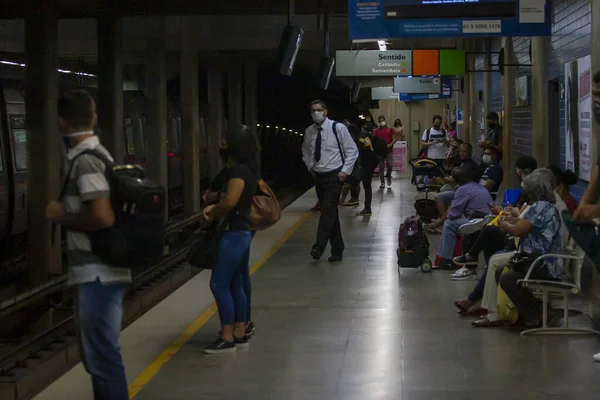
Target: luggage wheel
[[426, 266]]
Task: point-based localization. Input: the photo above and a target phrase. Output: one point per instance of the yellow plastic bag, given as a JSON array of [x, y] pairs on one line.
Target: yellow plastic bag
[[506, 309], [494, 222]]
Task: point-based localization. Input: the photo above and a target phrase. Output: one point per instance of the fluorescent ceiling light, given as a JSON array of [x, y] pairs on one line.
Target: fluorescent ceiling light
[[64, 71], [382, 45]]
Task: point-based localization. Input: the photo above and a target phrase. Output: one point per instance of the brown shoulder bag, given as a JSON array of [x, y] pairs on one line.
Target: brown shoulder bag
[[265, 210]]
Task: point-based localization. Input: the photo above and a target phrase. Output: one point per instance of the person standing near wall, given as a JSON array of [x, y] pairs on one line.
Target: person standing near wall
[[494, 134], [589, 207]]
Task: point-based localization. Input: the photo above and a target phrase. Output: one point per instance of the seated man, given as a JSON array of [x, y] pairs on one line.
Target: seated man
[[470, 200], [445, 197], [493, 175]]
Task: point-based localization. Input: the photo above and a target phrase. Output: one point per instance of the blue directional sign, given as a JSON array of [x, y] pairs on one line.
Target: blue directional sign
[[390, 19]]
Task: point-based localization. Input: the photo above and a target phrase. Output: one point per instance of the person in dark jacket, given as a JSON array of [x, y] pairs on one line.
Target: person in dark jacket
[[369, 147]]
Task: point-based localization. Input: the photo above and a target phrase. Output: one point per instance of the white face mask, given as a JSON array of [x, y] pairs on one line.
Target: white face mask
[[75, 134], [382, 124], [318, 116], [487, 158]]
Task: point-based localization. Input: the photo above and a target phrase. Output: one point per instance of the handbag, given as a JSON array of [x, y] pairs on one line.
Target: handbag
[[357, 172], [204, 249], [587, 236], [265, 210], [521, 261], [506, 309]]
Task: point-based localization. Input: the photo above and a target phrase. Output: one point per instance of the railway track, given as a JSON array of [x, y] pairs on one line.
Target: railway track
[[46, 346]]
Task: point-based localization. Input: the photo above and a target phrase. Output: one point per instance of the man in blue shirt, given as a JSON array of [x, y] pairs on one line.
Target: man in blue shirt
[[471, 200], [492, 175]]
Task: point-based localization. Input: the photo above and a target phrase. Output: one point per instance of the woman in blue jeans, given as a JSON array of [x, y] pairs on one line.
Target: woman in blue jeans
[[230, 272]]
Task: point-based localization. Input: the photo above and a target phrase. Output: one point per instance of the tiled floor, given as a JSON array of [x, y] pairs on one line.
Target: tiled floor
[[361, 330]]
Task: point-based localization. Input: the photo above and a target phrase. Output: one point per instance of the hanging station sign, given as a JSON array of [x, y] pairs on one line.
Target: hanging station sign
[[373, 63], [418, 85], [395, 19]]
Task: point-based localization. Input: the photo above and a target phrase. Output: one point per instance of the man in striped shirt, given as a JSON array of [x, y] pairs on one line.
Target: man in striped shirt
[[84, 207]]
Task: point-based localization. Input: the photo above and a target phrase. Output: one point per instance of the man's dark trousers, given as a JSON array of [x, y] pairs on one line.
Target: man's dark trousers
[[329, 188]]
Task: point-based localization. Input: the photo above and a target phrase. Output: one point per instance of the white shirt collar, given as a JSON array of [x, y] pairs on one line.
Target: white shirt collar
[[87, 144]]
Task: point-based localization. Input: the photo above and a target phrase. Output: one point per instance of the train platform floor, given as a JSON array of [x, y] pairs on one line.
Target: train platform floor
[[359, 329]]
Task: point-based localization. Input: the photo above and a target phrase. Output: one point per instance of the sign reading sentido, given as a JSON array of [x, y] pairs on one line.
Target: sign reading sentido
[[390, 19], [373, 63]]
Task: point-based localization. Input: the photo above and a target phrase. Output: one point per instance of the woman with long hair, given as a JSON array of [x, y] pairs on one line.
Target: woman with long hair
[[399, 129], [230, 272], [564, 180]]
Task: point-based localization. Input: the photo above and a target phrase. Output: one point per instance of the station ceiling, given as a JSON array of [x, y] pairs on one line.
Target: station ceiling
[[93, 8]]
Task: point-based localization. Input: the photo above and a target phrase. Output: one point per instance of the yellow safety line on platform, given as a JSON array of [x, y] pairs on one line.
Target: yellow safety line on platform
[[146, 375]]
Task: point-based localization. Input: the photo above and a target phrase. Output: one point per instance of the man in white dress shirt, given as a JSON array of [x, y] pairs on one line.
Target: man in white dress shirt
[[329, 160]]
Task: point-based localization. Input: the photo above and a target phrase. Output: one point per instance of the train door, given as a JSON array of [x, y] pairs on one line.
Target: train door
[[18, 135], [5, 191]]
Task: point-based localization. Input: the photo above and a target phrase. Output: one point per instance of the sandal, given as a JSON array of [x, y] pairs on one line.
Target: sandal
[[461, 309], [484, 322]]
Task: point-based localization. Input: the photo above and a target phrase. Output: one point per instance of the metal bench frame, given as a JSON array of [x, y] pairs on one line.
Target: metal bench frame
[[573, 262]]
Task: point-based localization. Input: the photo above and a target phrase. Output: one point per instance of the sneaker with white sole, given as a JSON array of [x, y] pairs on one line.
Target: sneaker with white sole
[[465, 259], [464, 274], [475, 225], [220, 346]]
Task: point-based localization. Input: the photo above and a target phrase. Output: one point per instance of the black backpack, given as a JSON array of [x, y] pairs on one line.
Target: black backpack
[[138, 234]]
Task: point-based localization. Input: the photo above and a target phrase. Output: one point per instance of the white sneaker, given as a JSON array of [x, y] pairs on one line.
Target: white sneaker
[[597, 357], [475, 225], [464, 274]]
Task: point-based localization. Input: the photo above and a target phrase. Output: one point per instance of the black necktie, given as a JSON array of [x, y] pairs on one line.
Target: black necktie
[[318, 145]]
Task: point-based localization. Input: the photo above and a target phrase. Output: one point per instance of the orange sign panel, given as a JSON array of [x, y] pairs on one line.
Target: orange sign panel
[[425, 62]]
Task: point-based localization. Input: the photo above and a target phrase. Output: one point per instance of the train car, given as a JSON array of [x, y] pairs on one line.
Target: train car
[[13, 158]]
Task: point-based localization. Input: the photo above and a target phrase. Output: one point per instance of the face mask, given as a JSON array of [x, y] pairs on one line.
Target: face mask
[[596, 110], [224, 154], [487, 158], [382, 124], [437, 127], [68, 136], [318, 117]]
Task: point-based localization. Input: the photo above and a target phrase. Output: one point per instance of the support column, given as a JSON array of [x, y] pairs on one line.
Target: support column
[[539, 96], [190, 118], [468, 97], [156, 89], [250, 93], [595, 296], [110, 85], [507, 134], [472, 96], [487, 83], [43, 151], [215, 118], [235, 95]]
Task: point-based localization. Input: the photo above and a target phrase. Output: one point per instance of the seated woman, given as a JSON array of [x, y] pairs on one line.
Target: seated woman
[[541, 232], [539, 229], [470, 200], [452, 156], [564, 180]]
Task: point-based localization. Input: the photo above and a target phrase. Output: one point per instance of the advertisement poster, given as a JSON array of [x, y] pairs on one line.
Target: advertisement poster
[[578, 117]]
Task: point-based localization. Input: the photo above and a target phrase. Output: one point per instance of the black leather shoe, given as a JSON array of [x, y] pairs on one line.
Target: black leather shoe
[[335, 258], [316, 252]]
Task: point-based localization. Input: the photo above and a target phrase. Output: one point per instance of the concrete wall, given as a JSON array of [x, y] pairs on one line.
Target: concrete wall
[[419, 111]]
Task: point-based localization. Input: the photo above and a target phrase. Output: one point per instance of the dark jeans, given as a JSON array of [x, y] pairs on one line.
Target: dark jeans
[[527, 305], [383, 162], [226, 280], [367, 180], [490, 241], [98, 317], [329, 188]]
